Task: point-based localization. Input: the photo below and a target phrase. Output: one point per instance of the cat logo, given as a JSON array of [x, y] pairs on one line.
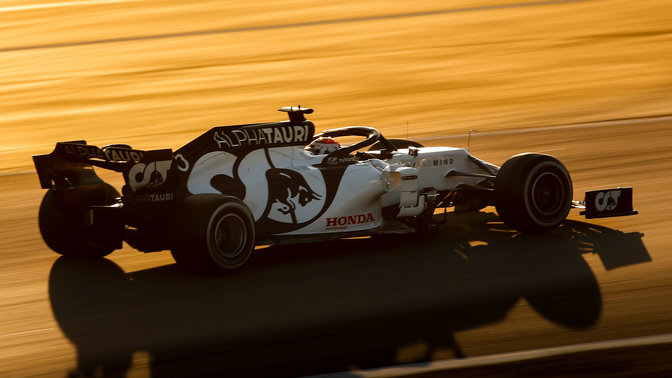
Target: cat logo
[[607, 200]]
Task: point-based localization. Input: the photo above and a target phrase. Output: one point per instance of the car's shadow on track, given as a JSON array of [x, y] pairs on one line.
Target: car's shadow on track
[[324, 307]]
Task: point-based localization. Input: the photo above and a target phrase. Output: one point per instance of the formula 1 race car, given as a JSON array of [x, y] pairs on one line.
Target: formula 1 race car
[[234, 187]]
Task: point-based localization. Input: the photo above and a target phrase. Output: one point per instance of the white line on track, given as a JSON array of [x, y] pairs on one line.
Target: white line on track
[[19, 8], [28, 332], [20, 173], [447, 365]]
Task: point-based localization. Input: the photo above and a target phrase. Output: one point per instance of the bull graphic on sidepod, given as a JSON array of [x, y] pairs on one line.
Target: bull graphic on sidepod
[[288, 187]]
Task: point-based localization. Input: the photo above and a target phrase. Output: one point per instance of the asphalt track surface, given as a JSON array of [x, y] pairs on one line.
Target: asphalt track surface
[[473, 289]]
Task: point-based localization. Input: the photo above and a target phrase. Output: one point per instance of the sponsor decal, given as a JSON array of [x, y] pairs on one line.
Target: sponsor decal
[[333, 160], [154, 197], [608, 203], [342, 223], [607, 200], [263, 136], [111, 154], [431, 163], [149, 175]]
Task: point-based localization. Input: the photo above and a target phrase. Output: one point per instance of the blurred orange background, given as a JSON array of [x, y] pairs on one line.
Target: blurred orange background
[[157, 74]]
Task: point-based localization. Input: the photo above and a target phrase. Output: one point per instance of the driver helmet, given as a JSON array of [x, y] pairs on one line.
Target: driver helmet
[[323, 145]]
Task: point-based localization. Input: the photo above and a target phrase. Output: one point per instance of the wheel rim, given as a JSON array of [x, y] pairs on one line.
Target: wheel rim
[[229, 237], [547, 193]]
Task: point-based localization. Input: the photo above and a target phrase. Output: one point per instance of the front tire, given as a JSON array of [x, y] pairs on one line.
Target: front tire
[[533, 193], [213, 233]]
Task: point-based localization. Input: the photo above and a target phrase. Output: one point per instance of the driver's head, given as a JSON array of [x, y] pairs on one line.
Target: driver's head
[[323, 145]]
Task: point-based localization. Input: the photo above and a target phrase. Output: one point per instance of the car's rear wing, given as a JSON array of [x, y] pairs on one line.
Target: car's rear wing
[[606, 203], [71, 164]]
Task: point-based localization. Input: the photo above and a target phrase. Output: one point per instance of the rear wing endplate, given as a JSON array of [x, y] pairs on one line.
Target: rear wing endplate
[[607, 203], [71, 163]]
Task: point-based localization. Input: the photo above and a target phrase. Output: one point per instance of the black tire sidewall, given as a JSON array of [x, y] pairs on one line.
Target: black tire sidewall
[[193, 230], [514, 192], [560, 213], [240, 212]]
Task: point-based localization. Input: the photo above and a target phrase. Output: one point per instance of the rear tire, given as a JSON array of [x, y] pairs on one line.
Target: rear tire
[[63, 227], [212, 233], [533, 193]]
